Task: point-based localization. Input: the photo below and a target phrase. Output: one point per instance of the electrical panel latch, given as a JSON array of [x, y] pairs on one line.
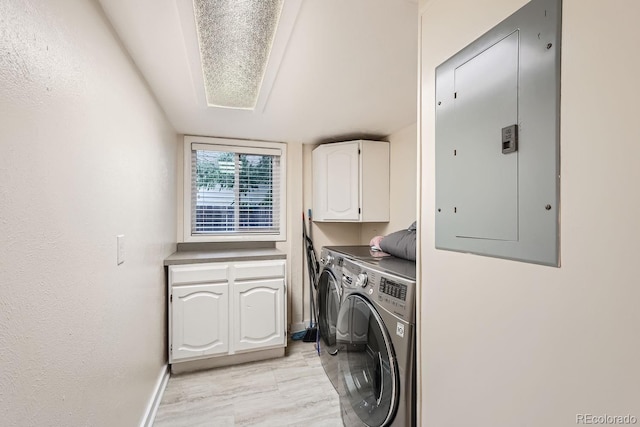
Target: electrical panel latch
[[510, 139]]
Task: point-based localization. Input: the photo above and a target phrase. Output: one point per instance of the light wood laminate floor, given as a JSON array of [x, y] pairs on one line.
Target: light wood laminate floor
[[288, 391]]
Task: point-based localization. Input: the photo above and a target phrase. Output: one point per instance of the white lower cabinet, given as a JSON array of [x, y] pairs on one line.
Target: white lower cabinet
[[218, 309], [200, 320], [258, 320]]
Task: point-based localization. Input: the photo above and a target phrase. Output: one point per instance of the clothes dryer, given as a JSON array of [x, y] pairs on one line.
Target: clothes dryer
[[375, 343]]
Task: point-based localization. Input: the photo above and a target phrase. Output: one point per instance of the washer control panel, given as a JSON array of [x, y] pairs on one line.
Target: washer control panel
[[393, 293], [394, 289], [330, 259]]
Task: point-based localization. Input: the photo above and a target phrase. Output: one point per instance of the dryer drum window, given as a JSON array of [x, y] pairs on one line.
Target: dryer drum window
[[368, 369], [328, 304]]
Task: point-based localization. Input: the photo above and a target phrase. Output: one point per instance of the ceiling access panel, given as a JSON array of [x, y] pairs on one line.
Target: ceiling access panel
[[497, 140]]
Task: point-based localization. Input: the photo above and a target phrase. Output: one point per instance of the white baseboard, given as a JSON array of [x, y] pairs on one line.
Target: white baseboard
[[228, 360], [154, 402]]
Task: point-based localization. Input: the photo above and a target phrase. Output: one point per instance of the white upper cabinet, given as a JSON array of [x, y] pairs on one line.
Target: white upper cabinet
[[351, 182], [336, 177]]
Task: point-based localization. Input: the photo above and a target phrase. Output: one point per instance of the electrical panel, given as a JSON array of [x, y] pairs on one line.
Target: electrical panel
[[497, 140]]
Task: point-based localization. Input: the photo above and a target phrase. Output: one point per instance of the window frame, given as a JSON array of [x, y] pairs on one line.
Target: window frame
[[243, 146]]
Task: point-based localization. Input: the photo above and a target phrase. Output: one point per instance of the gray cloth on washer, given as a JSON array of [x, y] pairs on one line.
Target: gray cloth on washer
[[401, 244]]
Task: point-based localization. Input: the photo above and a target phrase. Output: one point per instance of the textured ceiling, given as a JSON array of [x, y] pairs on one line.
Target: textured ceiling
[[349, 70]]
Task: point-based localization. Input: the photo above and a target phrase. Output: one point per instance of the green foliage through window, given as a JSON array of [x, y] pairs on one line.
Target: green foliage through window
[[234, 191]]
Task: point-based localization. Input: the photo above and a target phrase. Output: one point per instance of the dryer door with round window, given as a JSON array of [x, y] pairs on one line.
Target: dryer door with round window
[[329, 293], [368, 378]]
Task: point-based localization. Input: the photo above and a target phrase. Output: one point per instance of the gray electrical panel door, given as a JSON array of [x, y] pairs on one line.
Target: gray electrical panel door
[[497, 140], [485, 101]]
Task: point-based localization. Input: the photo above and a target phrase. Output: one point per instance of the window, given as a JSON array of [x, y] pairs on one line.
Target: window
[[234, 190]]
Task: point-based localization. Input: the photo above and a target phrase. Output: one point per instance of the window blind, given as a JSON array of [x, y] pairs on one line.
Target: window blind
[[235, 190]]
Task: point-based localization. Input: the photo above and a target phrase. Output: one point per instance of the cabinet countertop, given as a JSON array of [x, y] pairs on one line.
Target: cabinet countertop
[[218, 255]]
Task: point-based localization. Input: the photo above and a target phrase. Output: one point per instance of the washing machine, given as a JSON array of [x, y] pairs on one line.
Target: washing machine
[[375, 343], [328, 299]]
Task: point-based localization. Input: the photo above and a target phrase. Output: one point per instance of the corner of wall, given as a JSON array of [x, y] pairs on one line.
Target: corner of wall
[[179, 188]]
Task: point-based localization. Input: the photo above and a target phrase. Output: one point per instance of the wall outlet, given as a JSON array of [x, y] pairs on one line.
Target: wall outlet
[[120, 239]]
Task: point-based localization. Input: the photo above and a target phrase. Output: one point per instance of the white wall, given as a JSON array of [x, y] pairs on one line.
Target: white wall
[[293, 246], [85, 154], [505, 343], [403, 184]]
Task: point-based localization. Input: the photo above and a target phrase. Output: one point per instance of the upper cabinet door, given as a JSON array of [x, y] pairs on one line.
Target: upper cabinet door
[[199, 320], [351, 181], [336, 188]]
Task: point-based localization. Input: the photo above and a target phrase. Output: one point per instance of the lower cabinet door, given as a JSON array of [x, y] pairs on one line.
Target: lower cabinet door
[[258, 314], [199, 320]]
